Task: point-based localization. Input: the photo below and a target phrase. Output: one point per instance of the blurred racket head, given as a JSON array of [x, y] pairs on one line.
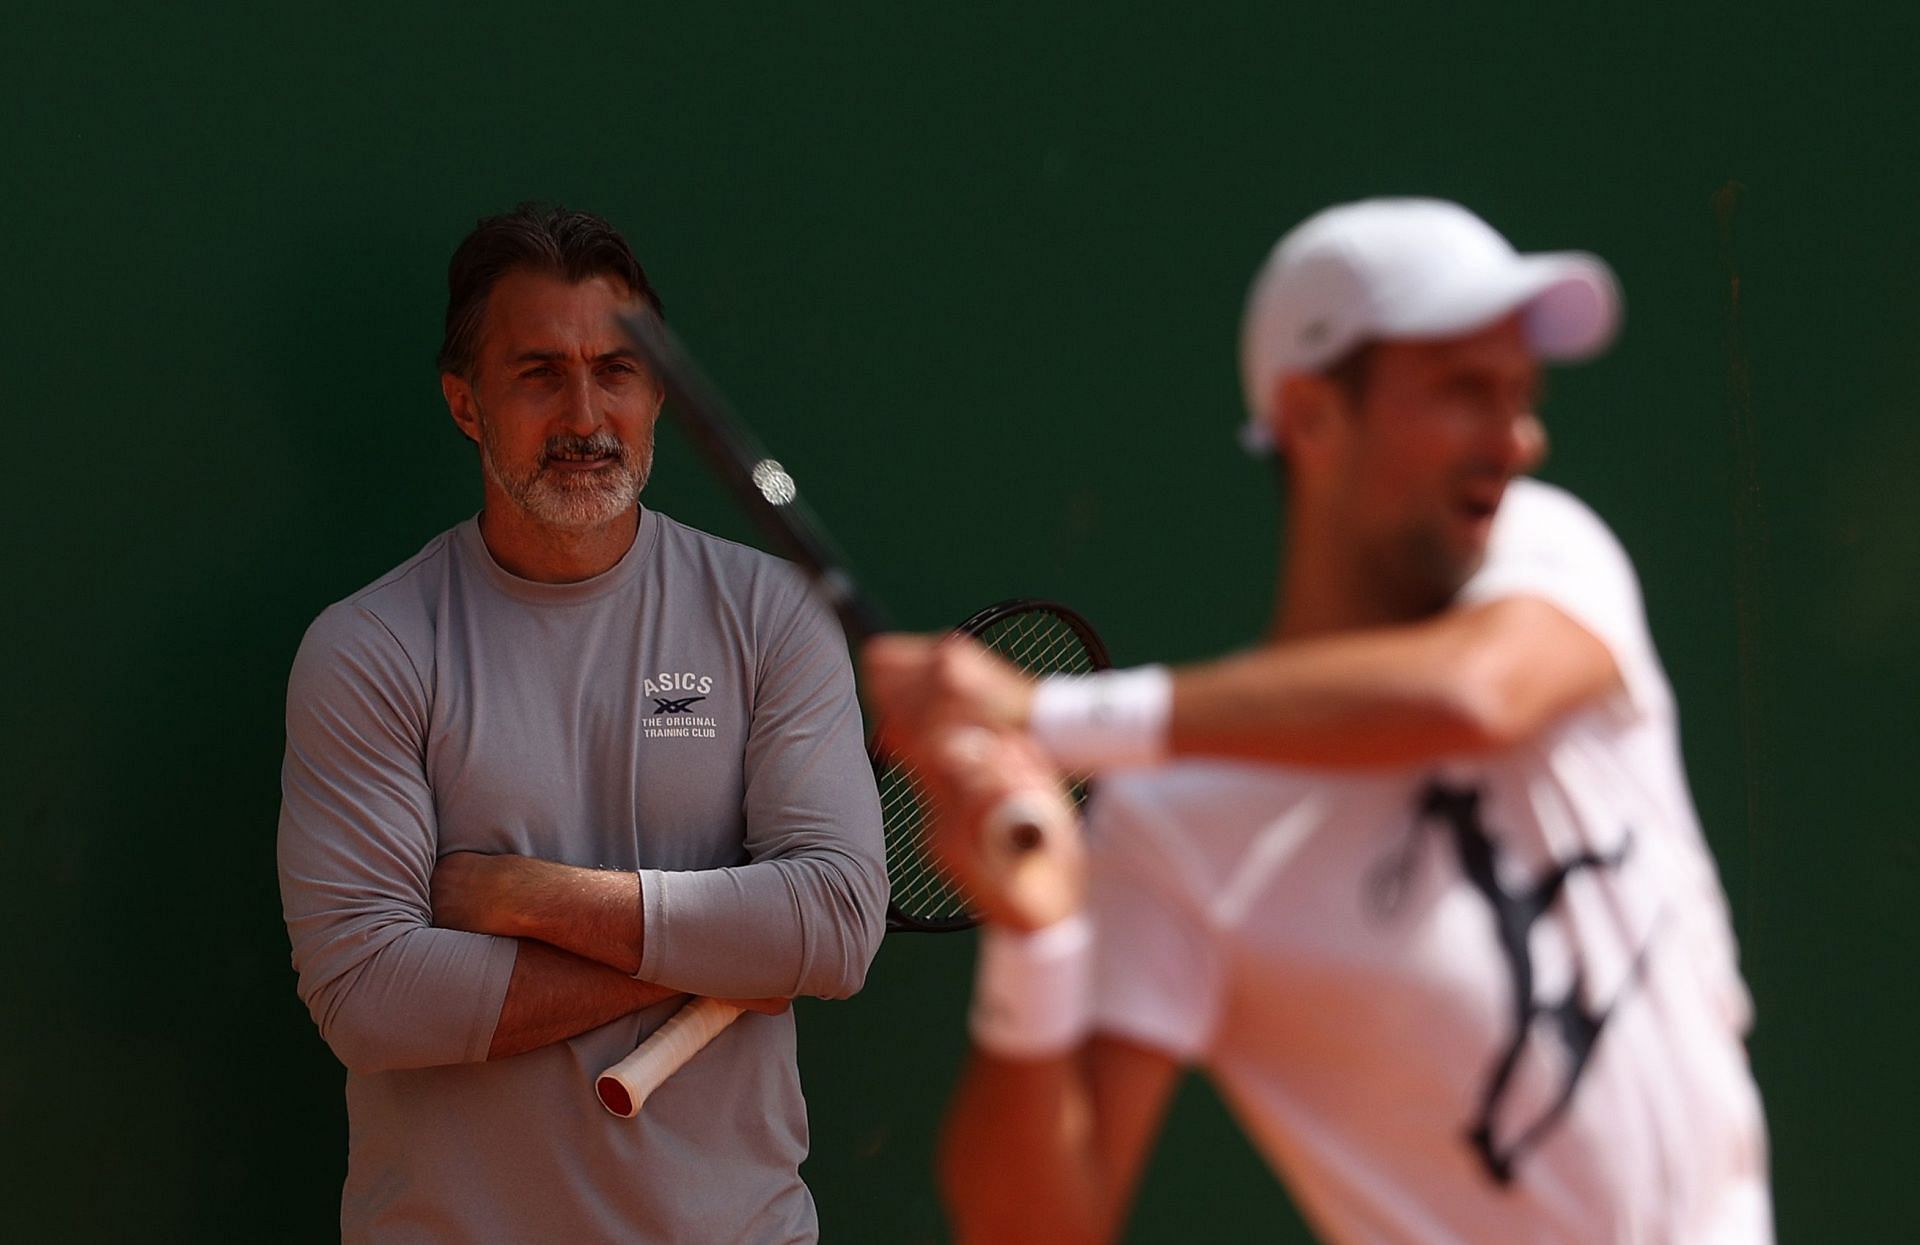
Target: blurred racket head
[[1041, 637]]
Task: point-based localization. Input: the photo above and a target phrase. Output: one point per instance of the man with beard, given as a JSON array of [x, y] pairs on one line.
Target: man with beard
[[1424, 895], [566, 767]]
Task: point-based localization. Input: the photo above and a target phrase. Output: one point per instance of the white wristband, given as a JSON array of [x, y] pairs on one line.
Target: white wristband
[[1116, 718], [1033, 992]]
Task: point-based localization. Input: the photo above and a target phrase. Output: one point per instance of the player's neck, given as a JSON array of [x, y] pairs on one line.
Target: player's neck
[[1322, 588], [549, 555]]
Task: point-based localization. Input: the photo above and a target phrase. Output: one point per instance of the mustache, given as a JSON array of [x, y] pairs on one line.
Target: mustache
[[600, 444]]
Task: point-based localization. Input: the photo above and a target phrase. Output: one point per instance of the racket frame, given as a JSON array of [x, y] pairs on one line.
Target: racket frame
[[900, 921]]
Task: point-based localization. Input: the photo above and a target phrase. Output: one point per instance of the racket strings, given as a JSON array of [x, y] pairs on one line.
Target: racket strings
[[1038, 641]]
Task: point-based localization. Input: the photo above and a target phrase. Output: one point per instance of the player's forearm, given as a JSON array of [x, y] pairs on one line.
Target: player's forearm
[[593, 913], [553, 995], [1373, 699], [1472, 680], [1017, 1160]]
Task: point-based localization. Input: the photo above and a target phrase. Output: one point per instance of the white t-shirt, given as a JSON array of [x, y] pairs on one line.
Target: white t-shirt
[[1485, 1001]]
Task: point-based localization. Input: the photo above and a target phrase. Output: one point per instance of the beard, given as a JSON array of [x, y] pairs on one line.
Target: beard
[[570, 501]]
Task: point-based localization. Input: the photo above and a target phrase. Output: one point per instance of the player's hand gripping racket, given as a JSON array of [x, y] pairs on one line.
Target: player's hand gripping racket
[[1040, 636]]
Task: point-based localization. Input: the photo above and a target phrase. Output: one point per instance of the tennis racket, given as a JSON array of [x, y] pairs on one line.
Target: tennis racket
[[1041, 636]]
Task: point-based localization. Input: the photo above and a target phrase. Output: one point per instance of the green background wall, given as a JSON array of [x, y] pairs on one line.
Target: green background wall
[[975, 271]]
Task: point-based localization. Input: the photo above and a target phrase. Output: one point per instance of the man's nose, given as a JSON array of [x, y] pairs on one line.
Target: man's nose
[[580, 413], [1523, 442]]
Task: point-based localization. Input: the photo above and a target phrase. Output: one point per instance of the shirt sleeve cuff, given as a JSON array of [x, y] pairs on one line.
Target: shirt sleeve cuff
[[653, 924]]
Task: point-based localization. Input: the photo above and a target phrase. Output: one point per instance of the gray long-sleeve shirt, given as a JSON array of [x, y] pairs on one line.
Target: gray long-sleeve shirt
[[688, 714]]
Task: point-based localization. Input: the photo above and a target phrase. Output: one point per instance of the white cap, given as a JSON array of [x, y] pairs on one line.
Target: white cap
[[1386, 269]]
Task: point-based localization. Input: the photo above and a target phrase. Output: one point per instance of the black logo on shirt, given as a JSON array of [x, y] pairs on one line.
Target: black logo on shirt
[[674, 706], [1570, 1021]]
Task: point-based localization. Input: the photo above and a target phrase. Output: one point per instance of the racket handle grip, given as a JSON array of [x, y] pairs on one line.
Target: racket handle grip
[[1026, 821], [1030, 841], [625, 1087]]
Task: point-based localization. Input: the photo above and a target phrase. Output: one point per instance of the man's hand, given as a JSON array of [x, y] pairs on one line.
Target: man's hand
[[955, 714], [485, 894], [919, 684], [973, 778]]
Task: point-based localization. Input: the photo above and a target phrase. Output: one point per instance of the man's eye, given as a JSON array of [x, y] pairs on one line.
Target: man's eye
[[536, 373]]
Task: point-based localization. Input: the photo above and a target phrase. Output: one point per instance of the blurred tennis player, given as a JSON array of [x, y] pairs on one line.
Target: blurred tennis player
[[1424, 895]]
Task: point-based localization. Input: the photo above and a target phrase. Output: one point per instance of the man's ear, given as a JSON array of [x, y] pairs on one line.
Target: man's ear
[[1312, 404], [460, 405]]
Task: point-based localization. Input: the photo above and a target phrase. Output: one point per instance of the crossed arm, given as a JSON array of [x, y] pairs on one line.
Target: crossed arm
[[580, 936]]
